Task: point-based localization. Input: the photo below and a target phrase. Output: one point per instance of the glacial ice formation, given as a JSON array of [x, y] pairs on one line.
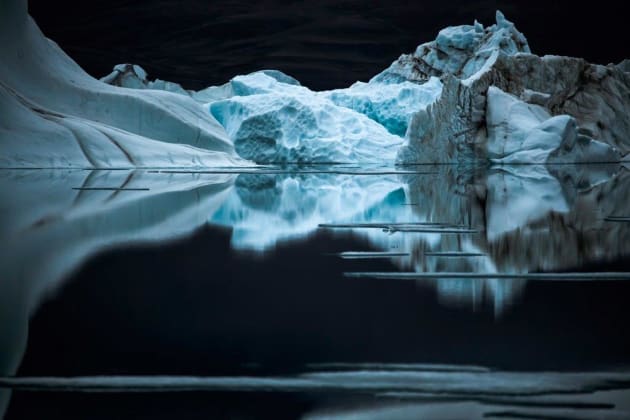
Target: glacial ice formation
[[432, 106], [460, 51], [55, 115], [519, 132], [454, 128], [135, 77], [392, 104], [271, 121]]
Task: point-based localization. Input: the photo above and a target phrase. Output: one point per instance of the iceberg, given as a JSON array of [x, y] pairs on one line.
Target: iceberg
[[460, 51], [526, 133], [431, 106], [472, 59], [270, 121], [56, 115], [392, 105], [135, 77]]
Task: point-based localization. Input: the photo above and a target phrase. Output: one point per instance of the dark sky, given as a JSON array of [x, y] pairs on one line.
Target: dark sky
[[325, 44]]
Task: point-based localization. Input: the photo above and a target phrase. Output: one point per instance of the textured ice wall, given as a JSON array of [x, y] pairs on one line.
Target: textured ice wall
[[271, 121], [471, 59], [519, 132], [390, 104], [460, 51]]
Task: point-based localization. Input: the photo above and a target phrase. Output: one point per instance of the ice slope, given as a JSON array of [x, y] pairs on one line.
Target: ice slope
[[54, 114]]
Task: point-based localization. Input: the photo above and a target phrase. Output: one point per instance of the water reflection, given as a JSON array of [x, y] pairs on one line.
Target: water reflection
[[528, 219], [51, 221], [443, 219]]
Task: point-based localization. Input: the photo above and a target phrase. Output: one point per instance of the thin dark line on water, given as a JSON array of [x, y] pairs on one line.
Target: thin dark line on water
[[381, 225], [110, 189], [454, 254], [299, 172], [421, 227], [516, 401], [351, 255], [403, 367], [616, 276], [431, 230], [623, 219], [513, 414]]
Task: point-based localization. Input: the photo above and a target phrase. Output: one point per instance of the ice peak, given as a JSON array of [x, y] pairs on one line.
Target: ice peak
[[502, 22]]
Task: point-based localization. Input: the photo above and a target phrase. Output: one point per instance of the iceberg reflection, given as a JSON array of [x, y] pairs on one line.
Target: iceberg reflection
[[439, 221], [505, 219], [52, 221]]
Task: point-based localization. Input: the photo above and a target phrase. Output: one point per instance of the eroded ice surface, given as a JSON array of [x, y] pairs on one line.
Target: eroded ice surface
[[461, 51], [391, 104], [271, 121], [519, 133]]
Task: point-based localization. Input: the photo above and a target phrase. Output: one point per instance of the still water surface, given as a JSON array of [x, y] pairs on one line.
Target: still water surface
[[277, 293]]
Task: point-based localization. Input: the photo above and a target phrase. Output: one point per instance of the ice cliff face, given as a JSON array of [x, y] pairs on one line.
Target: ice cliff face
[[519, 132], [471, 59]]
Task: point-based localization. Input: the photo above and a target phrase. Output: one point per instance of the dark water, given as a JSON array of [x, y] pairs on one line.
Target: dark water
[[324, 44], [219, 295]]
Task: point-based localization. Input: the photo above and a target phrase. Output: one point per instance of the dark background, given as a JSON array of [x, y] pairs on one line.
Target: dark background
[[324, 44]]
